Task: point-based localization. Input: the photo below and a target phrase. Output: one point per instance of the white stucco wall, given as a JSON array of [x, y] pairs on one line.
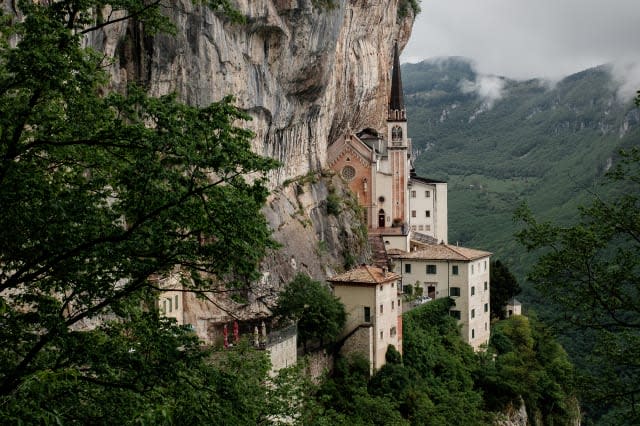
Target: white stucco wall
[[283, 353], [384, 306], [471, 274], [436, 224]]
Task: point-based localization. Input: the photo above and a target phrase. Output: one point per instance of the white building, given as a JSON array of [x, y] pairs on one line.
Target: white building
[[442, 270], [428, 207], [374, 311]]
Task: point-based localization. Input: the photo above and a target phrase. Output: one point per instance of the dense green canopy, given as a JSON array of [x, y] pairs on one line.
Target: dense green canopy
[[589, 274], [98, 194]]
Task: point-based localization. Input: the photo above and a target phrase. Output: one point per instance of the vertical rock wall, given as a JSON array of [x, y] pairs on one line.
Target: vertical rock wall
[[303, 72]]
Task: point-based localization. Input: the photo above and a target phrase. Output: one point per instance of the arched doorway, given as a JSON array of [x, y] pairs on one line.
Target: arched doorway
[[381, 217]]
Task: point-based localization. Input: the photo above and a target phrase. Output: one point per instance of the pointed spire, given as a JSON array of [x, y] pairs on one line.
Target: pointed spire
[[396, 101]]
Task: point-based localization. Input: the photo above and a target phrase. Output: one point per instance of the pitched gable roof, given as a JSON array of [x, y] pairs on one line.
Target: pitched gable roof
[[444, 252], [365, 274]]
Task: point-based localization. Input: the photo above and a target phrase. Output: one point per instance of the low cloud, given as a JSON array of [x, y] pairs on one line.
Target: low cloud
[[627, 76], [489, 88]]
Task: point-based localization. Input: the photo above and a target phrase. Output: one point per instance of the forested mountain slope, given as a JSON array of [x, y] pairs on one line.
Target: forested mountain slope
[[500, 142]]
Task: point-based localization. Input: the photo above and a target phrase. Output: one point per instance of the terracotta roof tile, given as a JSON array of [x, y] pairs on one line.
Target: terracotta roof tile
[[443, 252], [365, 274]]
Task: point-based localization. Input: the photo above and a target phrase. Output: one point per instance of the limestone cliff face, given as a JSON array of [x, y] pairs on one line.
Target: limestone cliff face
[[303, 72]]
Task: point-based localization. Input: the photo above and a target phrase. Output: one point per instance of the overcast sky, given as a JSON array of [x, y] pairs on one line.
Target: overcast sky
[[523, 39]]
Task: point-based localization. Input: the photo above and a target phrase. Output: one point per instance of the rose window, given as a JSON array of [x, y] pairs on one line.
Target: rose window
[[348, 172]]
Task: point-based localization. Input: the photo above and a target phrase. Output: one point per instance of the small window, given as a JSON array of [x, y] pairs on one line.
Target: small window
[[381, 308], [486, 286], [427, 213], [473, 313], [367, 314], [413, 213], [392, 331], [164, 306], [380, 287], [407, 268], [473, 290], [431, 269], [393, 284], [455, 314], [169, 300], [381, 334], [393, 305], [427, 194], [454, 269], [472, 269], [176, 301], [486, 307], [413, 194], [485, 326], [454, 291], [473, 333], [399, 303], [485, 265]]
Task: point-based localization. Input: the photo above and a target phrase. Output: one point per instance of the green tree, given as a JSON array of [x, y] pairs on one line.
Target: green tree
[[433, 348], [529, 364], [589, 274], [504, 286], [319, 314], [98, 194]]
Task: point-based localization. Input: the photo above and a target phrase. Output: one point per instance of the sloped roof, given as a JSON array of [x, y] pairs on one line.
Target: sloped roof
[[365, 274], [396, 100], [444, 252], [418, 179]]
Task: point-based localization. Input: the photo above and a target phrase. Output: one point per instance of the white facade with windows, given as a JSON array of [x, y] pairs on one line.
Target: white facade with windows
[[442, 270], [370, 297], [428, 208]]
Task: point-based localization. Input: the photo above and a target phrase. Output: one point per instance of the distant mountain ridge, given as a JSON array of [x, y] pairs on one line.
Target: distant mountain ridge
[[499, 142]]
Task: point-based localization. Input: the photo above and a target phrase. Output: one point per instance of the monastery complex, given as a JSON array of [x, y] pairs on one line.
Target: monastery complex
[[412, 262], [406, 217]]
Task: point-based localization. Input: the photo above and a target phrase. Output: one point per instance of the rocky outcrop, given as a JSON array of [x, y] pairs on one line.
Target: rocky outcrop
[[302, 71], [318, 238]]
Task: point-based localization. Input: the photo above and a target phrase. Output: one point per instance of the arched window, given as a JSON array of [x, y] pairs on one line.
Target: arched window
[[396, 133]]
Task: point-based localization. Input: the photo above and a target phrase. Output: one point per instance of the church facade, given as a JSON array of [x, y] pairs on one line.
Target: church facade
[[407, 215], [377, 167]]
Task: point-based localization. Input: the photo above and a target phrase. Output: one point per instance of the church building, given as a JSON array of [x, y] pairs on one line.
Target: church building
[[377, 166], [406, 216]]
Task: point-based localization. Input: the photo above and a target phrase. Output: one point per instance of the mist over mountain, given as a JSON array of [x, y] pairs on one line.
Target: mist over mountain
[[501, 142]]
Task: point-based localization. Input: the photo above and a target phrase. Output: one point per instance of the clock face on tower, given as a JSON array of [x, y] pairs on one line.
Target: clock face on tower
[[348, 172]]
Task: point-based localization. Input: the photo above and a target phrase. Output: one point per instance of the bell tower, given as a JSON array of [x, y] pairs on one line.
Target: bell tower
[[398, 145]]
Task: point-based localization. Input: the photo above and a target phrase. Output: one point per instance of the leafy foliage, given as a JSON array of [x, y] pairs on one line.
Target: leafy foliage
[[408, 6], [440, 380], [504, 286], [319, 314], [589, 274], [530, 364], [100, 193]]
